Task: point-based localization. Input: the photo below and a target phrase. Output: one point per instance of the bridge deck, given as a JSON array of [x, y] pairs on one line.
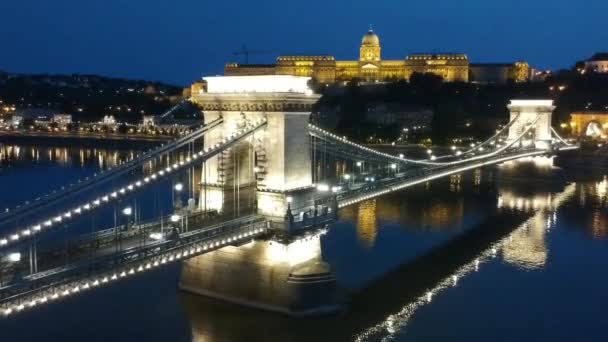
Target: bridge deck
[[134, 254]]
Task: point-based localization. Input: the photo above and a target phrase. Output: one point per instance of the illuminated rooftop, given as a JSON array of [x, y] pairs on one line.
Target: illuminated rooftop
[[258, 84]]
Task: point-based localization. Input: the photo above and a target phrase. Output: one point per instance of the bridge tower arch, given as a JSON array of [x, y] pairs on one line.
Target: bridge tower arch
[[281, 161], [526, 113]]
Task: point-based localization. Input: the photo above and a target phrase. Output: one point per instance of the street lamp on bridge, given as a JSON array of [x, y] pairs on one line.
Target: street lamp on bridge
[[177, 218], [178, 189], [360, 165]]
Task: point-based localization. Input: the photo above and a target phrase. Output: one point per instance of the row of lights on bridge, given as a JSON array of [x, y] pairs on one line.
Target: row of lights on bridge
[[102, 280], [407, 184], [401, 157]]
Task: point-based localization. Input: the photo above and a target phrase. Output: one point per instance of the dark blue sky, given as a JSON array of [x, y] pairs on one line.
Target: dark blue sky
[[180, 41]]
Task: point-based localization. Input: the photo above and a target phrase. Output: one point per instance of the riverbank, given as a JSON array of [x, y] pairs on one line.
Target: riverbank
[[80, 139]]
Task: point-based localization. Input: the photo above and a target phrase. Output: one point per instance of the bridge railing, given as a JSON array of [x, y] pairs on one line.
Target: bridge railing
[[52, 284], [376, 189], [388, 158]]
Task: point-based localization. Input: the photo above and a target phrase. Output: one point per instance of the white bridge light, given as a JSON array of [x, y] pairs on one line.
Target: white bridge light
[[14, 257], [323, 187], [157, 236]]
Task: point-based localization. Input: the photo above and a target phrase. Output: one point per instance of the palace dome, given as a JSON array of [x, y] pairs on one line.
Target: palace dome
[[370, 39]]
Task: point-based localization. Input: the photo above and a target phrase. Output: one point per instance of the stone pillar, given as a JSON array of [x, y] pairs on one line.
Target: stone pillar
[[526, 112], [211, 194], [286, 103]]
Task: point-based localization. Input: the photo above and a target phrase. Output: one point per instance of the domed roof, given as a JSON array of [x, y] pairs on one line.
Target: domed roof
[[370, 39]]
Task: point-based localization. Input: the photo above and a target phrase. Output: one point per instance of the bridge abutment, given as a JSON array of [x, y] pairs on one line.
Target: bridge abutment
[[285, 277]]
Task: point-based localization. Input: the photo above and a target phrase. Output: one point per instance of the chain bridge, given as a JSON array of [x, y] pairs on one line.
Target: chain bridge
[[256, 171]]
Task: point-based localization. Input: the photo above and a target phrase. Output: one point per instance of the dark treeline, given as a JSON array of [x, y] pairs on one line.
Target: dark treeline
[[88, 97], [455, 104]]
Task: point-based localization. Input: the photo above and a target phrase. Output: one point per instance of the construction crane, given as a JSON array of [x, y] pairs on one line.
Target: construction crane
[[246, 52]]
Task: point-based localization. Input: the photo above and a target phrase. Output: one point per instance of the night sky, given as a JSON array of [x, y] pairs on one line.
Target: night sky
[[180, 41]]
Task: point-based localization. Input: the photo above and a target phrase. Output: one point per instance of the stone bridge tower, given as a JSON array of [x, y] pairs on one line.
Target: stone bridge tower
[[274, 161], [526, 113]]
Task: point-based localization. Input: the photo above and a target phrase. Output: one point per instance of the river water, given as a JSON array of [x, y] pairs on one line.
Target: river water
[[514, 252]]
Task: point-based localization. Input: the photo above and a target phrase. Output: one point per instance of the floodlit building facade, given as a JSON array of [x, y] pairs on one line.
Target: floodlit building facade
[[499, 73], [370, 67], [589, 124], [598, 63]]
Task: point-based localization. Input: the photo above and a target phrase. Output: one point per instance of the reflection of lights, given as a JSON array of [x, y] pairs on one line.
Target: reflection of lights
[[395, 322], [538, 161], [367, 228], [601, 187], [400, 319]]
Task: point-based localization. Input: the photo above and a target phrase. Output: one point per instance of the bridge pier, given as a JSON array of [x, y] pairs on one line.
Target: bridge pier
[[277, 159], [288, 277], [286, 274], [531, 112]]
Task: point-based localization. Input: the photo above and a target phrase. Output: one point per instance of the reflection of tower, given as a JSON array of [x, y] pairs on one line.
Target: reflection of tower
[[441, 215], [455, 183], [526, 248], [367, 227], [477, 177]]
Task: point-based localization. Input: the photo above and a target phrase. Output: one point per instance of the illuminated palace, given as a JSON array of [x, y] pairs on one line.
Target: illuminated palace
[[370, 66]]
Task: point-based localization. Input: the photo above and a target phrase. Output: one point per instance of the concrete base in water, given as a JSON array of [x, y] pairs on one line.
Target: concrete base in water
[[267, 275]]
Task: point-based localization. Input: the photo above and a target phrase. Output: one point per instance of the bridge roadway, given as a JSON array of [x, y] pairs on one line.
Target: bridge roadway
[[95, 262]]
